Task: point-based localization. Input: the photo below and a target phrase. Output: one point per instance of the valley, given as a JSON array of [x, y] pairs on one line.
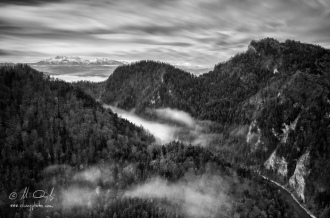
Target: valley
[[164, 109], [265, 105], [154, 140]]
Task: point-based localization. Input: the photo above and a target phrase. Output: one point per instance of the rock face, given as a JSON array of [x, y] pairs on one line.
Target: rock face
[[297, 180], [253, 137], [277, 164], [288, 128], [278, 91]]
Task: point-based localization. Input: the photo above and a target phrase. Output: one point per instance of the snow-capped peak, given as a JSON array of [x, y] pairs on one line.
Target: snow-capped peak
[[75, 60]]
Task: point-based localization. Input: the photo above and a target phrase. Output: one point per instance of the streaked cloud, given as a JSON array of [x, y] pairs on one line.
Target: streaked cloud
[[199, 32]]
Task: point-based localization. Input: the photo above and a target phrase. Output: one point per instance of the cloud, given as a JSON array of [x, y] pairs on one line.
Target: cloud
[[199, 32], [27, 2], [77, 196], [190, 131], [57, 168], [175, 115], [163, 133], [82, 188], [90, 175], [70, 78], [4, 53], [199, 197], [205, 139]]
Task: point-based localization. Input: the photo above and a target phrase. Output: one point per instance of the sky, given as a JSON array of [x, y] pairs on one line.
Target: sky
[[198, 32]]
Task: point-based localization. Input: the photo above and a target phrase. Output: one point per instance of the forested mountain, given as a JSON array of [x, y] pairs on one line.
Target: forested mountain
[[59, 147], [273, 102], [93, 89]]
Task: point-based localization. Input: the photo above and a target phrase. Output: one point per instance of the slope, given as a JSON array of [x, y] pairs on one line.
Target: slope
[[272, 100]]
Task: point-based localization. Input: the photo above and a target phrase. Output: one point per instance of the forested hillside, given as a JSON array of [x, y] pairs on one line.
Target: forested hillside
[[91, 88], [273, 102], [149, 84], [84, 161]]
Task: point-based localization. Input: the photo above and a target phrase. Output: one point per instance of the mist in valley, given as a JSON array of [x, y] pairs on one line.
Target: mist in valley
[[172, 125], [206, 195], [71, 73], [94, 73], [199, 196]]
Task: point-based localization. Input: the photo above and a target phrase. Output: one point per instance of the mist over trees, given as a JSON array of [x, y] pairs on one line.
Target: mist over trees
[[274, 98], [261, 91], [54, 136]]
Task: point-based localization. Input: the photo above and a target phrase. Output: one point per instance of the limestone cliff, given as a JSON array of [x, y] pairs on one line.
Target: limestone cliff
[[278, 164], [297, 180]]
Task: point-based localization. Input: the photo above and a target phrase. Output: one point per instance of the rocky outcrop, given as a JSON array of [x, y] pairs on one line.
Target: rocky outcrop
[[297, 180], [253, 137], [277, 164], [288, 128]]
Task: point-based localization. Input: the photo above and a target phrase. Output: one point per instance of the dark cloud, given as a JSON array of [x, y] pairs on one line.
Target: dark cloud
[[199, 31], [153, 29], [147, 41], [7, 27], [28, 2], [222, 42], [17, 53], [4, 53], [153, 42], [171, 28]]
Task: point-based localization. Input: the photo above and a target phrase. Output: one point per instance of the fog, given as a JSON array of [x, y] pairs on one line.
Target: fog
[[73, 78], [195, 195], [83, 188], [201, 196], [71, 73], [164, 133], [91, 175], [76, 196], [175, 115], [172, 125], [95, 73]]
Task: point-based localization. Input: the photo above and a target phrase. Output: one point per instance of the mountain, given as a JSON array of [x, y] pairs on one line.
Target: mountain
[[64, 60], [85, 161], [273, 102], [145, 84], [194, 69]]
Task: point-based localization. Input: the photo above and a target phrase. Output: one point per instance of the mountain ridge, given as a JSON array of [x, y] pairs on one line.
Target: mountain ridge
[[75, 60], [58, 140], [277, 92]]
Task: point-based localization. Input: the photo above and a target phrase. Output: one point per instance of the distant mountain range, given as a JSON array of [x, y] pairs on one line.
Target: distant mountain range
[[75, 60]]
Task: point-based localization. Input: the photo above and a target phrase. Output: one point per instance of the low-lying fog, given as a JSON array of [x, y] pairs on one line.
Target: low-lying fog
[[71, 73], [95, 73], [172, 125], [196, 195]]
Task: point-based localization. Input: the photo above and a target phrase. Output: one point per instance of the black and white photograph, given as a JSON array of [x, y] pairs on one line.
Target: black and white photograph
[[164, 109]]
